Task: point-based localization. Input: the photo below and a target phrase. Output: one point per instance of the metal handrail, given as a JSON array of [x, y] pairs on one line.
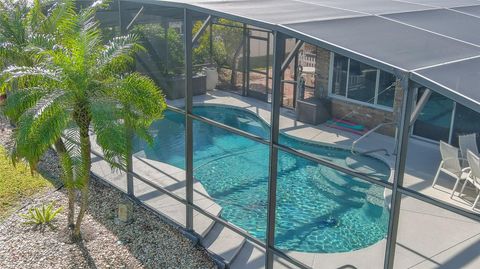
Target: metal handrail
[[352, 149]]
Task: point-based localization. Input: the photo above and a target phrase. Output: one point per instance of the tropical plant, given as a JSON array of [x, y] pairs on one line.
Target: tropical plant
[[230, 34], [201, 51], [164, 48], [27, 28], [82, 85], [44, 214]]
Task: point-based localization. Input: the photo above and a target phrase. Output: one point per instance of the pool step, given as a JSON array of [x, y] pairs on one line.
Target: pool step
[[253, 257], [203, 225], [223, 242], [250, 257]]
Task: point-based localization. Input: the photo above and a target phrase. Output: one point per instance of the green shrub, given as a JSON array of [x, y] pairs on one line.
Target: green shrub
[[41, 215]]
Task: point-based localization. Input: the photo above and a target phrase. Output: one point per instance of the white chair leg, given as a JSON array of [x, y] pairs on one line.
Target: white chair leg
[[476, 201], [436, 175], [454, 187], [463, 187]]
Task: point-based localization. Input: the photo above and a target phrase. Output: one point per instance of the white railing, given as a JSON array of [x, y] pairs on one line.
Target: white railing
[[306, 60]]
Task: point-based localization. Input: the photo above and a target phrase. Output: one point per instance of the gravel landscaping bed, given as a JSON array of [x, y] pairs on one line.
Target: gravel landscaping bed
[[146, 242]]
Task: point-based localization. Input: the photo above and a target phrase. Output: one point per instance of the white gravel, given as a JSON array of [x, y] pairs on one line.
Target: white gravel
[[147, 242]]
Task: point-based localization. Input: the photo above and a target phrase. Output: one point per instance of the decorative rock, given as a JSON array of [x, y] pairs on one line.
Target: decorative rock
[[125, 212]]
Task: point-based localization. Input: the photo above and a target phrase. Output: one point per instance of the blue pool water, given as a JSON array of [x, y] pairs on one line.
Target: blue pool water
[[318, 209]]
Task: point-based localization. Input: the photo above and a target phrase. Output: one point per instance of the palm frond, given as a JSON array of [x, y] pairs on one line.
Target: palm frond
[[81, 45], [110, 132], [39, 127], [21, 100], [35, 15], [73, 161], [12, 22], [140, 102], [142, 98], [10, 53], [59, 17], [41, 41], [119, 50], [15, 72]]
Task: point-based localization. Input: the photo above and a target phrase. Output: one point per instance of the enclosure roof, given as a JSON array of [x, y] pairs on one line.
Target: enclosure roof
[[435, 42]]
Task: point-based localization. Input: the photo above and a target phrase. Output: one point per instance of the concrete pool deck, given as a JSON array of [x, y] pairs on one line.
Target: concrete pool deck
[[428, 236]]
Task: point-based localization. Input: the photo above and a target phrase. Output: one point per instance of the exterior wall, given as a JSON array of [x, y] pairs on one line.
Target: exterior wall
[[368, 116], [365, 115], [322, 71]]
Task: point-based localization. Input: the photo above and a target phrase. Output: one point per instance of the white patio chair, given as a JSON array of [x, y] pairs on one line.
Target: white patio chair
[[468, 142], [450, 165], [474, 176]]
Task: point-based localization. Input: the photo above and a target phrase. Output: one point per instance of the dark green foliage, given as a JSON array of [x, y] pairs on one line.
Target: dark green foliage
[[42, 215]]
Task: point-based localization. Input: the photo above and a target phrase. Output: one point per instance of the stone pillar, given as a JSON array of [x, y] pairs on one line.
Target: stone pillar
[[397, 102]]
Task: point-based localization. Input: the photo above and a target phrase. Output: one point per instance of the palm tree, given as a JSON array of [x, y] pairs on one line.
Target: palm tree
[[27, 28], [81, 86]]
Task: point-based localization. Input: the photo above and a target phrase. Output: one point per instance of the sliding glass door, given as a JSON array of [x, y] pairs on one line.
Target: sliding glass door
[[435, 118], [466, 121]]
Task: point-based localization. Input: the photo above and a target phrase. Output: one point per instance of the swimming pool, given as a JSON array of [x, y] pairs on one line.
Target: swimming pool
[[318, 209]]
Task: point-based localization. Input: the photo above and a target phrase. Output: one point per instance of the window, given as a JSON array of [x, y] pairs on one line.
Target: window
[[340, 69], [435, 118], [362, 79], [361, 82], [386, 89]]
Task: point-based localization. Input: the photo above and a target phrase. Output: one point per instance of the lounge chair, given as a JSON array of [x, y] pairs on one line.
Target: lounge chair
[[474, 176], [450, 165], [468, 142]]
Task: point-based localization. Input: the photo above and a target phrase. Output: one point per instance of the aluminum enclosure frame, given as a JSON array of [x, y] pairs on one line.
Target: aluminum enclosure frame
[[377, 63], [280, 33]]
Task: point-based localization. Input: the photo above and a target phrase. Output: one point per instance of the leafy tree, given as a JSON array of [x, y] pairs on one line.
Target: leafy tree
[[167, 52], [231, 37], [81, 85], [201, 52], [164, 49]]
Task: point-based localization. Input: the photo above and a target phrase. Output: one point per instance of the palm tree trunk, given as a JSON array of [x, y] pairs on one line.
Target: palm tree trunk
[[129, 163], [68, 179], [233, 76], [85, 149]]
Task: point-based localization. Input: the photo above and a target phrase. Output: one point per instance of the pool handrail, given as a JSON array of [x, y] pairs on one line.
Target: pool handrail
[[354, 152]]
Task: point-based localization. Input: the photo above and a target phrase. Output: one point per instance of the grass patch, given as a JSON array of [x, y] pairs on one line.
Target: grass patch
[[16, 183]]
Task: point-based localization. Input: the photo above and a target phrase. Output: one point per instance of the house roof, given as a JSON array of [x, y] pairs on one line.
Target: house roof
[[435, 42]]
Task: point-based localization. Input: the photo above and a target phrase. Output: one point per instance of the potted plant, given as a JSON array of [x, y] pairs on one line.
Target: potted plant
[[212, 77]]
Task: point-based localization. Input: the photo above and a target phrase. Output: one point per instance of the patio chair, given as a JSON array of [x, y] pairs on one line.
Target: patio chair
[[474, 177], [450, 165], [467, 142]]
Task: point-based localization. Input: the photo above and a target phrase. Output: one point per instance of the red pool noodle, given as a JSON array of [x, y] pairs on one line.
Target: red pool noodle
[[345, 129], [345, 121]]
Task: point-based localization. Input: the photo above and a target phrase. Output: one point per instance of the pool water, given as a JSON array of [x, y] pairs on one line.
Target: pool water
[[318, 209]]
